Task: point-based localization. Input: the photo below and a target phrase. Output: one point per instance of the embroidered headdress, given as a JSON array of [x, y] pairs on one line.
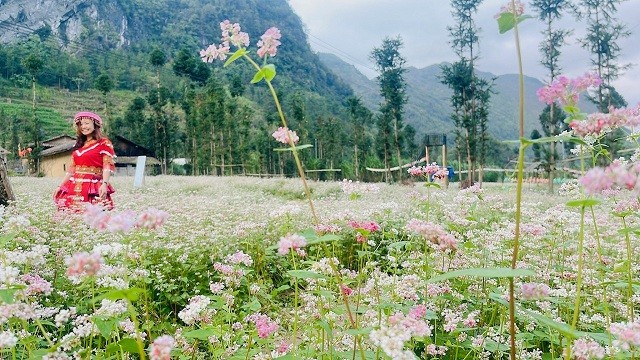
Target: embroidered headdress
[[87, 115]]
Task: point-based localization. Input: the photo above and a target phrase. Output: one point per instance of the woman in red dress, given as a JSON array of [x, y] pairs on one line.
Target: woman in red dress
[[87, 180]]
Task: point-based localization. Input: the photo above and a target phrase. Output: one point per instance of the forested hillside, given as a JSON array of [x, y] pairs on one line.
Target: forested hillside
[[137, 64]]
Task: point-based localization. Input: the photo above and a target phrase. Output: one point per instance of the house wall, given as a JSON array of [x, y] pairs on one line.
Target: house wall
[[56, 165]]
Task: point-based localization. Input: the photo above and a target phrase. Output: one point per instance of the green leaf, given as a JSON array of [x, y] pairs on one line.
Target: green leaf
[[132, 295], [324, 238], [290, 148], [483, 272], [280, 289], [202, 334], [564, 138], [582, 203], [129, 345], [327, 329], [4, 239], [258, 76], [434, 184], [38, 354], [7, 295], [361, 331], [397, 244], [621, 266], [235, 56], [304, 274], [507, 21], [269, 71], [368, 355], [105, 326], [564, 329], [253, 306]]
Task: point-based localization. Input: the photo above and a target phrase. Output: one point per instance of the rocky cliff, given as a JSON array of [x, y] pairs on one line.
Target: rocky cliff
[[67, 20]]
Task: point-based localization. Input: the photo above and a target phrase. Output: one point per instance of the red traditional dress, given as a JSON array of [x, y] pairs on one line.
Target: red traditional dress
[[86, 176]]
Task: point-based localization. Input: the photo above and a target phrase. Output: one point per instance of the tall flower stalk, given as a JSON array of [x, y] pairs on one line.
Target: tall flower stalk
[[268, 45], [508, 18], [269, 42]]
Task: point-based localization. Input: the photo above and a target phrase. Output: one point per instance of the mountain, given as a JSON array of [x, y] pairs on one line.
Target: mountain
[[428, 108], [116, 37]]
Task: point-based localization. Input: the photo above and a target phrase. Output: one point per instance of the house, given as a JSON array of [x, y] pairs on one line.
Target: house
[[56, 157]]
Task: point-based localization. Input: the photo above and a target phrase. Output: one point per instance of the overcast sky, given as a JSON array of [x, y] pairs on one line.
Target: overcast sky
[[352, 28]]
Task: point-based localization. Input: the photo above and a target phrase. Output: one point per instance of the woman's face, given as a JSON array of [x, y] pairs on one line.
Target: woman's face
[[86, 126]]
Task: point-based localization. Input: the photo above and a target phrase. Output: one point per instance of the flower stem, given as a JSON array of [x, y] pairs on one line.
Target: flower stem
[[516, 240]]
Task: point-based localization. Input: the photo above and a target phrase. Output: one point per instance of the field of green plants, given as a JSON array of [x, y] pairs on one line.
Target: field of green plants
[[236, 268]]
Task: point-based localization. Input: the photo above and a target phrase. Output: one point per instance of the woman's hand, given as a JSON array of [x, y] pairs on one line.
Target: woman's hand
[[102, 191]]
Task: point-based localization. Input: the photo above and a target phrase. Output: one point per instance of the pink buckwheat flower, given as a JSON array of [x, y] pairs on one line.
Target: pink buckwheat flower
[[264, 324], [212, 52], [282, 135], [627, 334], [508, 8], [36, 285], [240, 258], [566, 91], [534, 291], [584, 349], [161, 348], [269, 42], [84, 264], [231, 34], [370, 226], [152, 218], [289, 242]]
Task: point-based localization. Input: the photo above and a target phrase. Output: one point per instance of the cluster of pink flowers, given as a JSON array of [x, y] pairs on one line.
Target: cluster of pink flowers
[[291, 242], [534, 291], [283, 134], [364, 229], [370, 226], [566, 91], [585, 349], [598, 124], [434, 234], [84, 264], [264, 324], [429, 170], [400, 329], [617, 174], [240, 257], [232, 35], [509, 8], [161, 348], [269, 42], [322, 229], [36, 285], [97, 218], [627, 334]]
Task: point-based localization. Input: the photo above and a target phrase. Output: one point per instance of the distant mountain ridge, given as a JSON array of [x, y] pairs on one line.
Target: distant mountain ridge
[[428, 108]]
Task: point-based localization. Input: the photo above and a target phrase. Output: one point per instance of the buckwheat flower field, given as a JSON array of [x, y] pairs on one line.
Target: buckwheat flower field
[[236, 268]]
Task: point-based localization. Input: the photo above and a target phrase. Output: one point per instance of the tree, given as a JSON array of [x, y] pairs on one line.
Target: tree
[[603, 33], [33, 63], [471, 94], [389, 63], [552, 117], [104, 84], [360, 118]]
